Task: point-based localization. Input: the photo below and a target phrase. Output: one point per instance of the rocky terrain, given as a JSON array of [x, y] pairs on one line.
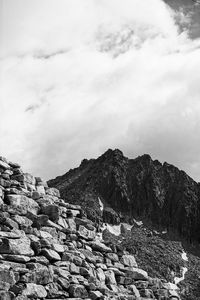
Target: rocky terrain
[[49, 249], [159, 201], [135, 188]]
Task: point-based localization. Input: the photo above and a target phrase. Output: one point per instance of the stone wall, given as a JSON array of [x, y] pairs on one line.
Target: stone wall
[[50, 250]]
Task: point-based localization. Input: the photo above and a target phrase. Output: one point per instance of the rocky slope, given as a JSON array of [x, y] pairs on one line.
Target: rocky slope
[[135, 188], [50, 250]]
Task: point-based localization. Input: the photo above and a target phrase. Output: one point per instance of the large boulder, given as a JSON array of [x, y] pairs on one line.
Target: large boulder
[[128, 261], [33, 290], [98, 246], [86, 233], [21, 204], [137, 274], [51, 255], [21, 246]]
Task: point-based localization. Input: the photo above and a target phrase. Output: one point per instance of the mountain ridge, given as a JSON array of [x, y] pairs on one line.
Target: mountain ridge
[[140, 187]]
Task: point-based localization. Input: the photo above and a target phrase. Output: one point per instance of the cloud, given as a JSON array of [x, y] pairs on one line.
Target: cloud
[[81, 77]]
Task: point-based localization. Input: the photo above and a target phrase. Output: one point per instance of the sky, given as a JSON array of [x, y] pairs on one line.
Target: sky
[[78, 77]]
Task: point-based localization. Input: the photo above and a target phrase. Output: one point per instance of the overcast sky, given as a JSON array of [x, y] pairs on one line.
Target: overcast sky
[[81, 76]]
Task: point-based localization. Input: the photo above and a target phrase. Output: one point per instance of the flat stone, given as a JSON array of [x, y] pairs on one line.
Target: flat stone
[[33, 290], [137, 274], [100, 275], [4, 165], [63, 223], [74, 269], [71, 206], [89, 256], [9, 235], [58, 248], [16, 246], [16, 258], [128, 260], [12, 265], [95, 295], [45, 235], [54, 225], [98, 246], [23, 221], [22, 204], [113, 257], [51, 254], [40, 259], [85, 233]]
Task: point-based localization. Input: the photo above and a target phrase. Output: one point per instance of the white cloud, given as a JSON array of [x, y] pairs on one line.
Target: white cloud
[[81, 77]]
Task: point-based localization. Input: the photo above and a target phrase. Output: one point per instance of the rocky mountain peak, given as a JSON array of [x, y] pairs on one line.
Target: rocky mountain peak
[[140, 187], [49, 249]]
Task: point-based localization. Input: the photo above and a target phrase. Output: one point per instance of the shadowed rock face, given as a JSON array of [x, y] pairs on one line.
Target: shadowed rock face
[[141, 187]]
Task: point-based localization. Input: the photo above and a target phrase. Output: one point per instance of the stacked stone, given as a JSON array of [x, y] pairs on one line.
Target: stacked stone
[[50, 250]]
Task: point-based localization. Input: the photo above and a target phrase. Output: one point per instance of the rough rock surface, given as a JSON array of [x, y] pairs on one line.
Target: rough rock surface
[[131, 188], [50, 250]]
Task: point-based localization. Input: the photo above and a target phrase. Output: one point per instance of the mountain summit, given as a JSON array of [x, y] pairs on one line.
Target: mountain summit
[[128, 189]]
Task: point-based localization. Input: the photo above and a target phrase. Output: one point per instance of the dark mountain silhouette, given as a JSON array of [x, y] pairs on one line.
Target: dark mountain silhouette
[[134, 188]]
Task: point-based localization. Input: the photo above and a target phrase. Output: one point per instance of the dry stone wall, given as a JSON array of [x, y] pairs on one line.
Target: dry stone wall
[[50, 250]]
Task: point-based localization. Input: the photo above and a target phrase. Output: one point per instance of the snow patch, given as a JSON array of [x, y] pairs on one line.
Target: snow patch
[[139, 223], [179, 279], [115, 229], [101, 204], [184, 256], [184, 269], [172, 286], [158, 232], [127, 226]]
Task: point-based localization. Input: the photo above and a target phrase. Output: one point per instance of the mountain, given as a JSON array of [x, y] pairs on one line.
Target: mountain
[[50, 250], [159, 194]]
